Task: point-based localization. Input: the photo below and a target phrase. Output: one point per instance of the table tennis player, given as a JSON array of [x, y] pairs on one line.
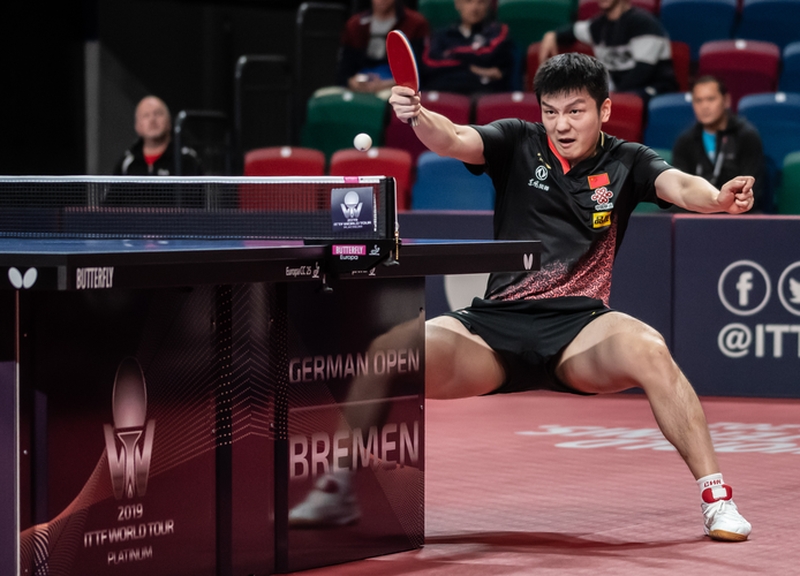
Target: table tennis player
[[568, 184]]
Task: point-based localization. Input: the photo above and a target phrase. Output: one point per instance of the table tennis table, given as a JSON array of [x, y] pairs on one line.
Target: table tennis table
[[167, 401]]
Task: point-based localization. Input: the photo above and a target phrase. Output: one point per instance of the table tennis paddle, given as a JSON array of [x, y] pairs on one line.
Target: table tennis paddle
[[402, 62]]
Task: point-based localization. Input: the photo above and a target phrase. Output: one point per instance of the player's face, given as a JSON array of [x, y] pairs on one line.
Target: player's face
[[573, 123], [152, 119], [709, 105], [472, 11]]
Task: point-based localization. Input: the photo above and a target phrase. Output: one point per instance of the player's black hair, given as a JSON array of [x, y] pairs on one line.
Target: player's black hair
[[707, 78], [572, 72]]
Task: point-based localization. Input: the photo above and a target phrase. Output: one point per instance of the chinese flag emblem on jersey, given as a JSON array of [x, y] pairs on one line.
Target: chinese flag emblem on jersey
[[598, 180]]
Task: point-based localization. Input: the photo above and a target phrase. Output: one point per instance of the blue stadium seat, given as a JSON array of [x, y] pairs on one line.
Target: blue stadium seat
[[776, 21], [777, 118], [698, 21], [445, 184], [790, 73], [667, 116]]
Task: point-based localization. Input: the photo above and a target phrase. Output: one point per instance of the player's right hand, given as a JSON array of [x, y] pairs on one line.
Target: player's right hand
[[405, 103]]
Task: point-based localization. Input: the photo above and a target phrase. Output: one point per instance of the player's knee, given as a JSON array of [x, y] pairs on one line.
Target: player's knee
[[648, 360]]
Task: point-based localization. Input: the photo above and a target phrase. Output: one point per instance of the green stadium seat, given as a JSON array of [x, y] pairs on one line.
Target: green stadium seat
[[333, 120], [789, 193], [528, 20], [439, 13]]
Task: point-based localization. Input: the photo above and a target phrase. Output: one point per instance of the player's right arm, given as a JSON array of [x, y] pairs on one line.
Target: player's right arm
[[438, 133]]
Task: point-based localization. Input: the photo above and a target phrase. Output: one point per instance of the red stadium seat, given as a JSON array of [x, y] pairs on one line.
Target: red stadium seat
[[284, 161], [532, 60], [745, 66], [682, 64], [524, 105], [281, 161], [379, 161], [627, 114], [456, 107]]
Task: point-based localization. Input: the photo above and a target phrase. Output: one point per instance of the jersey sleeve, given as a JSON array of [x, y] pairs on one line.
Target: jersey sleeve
[[499, 138], [646, 168]]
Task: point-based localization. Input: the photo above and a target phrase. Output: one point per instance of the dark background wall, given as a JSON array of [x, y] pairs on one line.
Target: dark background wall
[[73, 71]]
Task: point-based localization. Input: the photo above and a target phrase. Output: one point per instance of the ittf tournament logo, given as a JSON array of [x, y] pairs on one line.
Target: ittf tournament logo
[[352, 209], [129, 442]]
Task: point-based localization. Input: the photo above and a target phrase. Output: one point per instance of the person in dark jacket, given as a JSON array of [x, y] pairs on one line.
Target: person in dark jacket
[[629, 41], [472, 56], [720, 145], [153, 153]]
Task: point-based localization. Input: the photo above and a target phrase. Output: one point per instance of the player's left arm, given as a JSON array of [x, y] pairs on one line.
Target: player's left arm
[[698, 195]]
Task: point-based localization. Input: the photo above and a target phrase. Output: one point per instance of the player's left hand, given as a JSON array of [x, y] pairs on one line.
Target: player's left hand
[[736, 195]]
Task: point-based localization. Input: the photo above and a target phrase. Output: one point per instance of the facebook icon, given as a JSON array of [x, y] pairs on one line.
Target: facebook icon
[[744, 287]]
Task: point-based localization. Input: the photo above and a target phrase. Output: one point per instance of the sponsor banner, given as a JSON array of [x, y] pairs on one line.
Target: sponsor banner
[[737, 305]]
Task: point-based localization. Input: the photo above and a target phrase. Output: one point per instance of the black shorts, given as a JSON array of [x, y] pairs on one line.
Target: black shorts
[[529, 336]]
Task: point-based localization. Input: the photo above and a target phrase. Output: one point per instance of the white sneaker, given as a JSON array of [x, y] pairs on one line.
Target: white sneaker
[[331, 503], [722, 518]]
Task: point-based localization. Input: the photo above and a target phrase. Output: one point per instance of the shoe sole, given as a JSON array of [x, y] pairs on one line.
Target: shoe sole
[[725, 536]]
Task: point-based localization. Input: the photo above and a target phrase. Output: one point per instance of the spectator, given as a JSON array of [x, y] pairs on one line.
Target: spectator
[[720, 145], [472, 56], [363, 66], [631, 43], [153, 153]]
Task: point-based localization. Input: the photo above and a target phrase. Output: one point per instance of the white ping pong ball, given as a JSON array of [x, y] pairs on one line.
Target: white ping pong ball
[[362, 142]]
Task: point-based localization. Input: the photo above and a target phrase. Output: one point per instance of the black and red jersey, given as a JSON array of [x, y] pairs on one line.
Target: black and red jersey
[[579, 214]]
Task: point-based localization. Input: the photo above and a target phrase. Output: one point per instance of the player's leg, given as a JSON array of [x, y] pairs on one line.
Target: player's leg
[[458, 363], [616, 352]]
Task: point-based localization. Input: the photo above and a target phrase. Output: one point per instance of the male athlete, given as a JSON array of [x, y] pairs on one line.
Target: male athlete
[[568, 184], [573, 187]]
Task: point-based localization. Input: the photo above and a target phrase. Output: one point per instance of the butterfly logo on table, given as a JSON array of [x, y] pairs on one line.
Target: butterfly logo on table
[[21, 279]]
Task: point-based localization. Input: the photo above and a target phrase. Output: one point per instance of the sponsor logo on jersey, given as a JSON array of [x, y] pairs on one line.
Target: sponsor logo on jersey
[[601, 219], [603, 197], [541, 174]]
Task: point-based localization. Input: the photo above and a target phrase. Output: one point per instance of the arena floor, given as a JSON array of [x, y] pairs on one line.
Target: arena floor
[[541, 483]]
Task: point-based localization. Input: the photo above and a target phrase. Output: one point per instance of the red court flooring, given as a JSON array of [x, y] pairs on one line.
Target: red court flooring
[[539, 483]]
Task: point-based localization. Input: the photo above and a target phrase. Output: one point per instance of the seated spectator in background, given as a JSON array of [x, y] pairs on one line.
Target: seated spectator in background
[[153, 153], [720, 145], [472, 56], [363, 66], [630, 41]]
